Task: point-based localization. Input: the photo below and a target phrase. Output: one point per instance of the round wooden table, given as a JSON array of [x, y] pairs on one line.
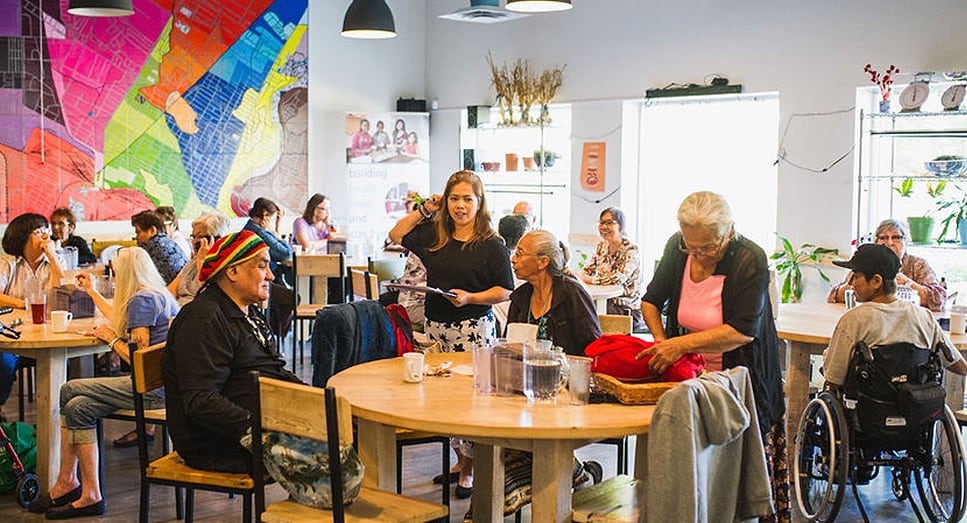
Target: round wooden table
[[381, 401], [602, 293], [807, 328], [51, 350]]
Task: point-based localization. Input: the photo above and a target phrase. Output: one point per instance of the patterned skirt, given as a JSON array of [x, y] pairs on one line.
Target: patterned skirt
[[777, 462]]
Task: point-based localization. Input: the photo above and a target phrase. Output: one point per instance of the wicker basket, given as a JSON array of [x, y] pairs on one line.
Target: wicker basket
[[632, 393]]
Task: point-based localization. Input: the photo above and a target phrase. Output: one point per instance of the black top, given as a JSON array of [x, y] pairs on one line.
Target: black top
[[212, 346], [572, 320], [745, 307], [84, 254], [476, 268]]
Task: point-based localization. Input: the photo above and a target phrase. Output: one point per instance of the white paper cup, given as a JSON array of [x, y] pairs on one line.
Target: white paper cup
[[297, 249], [413, 367], [60, 320], [958, 320]]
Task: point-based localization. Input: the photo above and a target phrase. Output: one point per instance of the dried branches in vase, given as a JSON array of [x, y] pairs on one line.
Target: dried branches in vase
[[519, 86]]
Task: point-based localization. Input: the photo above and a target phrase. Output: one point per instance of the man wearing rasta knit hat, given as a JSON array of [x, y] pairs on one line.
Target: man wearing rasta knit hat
[[212, 345], [881, 319]]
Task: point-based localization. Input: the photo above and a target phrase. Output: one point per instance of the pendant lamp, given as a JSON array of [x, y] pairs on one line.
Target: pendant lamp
[[538, 6], [370, 19], [100, 8]]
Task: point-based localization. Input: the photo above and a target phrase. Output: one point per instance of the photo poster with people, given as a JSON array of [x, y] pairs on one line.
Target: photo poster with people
[[387, 157]]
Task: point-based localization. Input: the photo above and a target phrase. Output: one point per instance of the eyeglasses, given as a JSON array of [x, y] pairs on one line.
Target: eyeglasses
[[518, 254], [885, 238], [62, 224], [41, 231], [699, 251], [605, 223]]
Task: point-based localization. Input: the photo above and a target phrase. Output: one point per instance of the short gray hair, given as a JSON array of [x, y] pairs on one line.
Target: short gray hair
[[214, 223], [546, 244], [706, 209], [890, 223]]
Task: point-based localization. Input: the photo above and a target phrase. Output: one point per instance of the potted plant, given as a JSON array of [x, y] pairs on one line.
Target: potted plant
[[789, 263], [921, 227], [956, 209], [545, 157]]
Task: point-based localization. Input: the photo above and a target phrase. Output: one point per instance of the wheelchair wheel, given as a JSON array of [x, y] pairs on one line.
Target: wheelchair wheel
[[822, 458], [940, 478]]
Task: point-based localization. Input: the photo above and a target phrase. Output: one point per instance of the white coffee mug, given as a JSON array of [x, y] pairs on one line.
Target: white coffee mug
[[413, 367], [958, 321], [60, 320]]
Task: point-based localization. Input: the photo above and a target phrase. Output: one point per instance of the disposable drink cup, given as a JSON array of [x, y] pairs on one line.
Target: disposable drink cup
[[579, 383], [38, 308], [958, 320], [483, 369], [542, 372], [413, 367], [60, 320]]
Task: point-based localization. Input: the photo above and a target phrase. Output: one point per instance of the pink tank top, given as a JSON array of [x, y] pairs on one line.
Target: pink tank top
[[700, 308]]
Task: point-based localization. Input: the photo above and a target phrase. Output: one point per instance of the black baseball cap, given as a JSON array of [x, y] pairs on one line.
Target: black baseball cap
[[873, 258]]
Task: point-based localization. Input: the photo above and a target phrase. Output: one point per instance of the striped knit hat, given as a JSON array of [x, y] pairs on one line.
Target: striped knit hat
[[230, 250]]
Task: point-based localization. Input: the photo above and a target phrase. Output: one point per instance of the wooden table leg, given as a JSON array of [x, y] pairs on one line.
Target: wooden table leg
[[488, 483], [377, 452], [797, 384], [552, 481], [51, 374]]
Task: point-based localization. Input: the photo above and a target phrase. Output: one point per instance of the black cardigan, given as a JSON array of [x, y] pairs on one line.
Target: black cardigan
[[745, 307], [573, 323]]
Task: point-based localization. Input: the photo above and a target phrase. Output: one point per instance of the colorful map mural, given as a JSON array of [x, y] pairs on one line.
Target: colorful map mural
[[194, 104]]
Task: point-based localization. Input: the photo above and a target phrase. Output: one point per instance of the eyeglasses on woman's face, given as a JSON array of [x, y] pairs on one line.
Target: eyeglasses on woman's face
[[607, 223], [707, 250], [895, 237]]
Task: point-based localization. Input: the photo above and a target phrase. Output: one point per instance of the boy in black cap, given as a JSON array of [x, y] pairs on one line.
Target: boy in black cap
[[882, 319]]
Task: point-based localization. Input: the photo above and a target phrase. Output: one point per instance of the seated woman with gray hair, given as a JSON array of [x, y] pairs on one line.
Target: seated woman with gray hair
[[205, 230], [915, 272], [552, 298]]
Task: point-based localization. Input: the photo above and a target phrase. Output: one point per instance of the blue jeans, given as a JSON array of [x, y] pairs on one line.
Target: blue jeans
[[84, 401], [8, 373]]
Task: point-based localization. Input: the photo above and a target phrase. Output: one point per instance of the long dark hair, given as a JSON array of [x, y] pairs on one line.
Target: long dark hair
[[261, 207], [314, 202], [19, 229], [445, 227]]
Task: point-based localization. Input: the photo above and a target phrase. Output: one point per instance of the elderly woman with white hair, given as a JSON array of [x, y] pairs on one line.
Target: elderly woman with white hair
[[552, 298], [915, 272], [139, 314], [205, 230], [713, 284]]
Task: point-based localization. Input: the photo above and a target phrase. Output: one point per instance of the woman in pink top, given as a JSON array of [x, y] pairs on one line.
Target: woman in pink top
[[713, 285]]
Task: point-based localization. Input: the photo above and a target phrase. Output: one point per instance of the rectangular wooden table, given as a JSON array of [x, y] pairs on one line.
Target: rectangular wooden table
[[51, 350], [807, 328], [382, 401]]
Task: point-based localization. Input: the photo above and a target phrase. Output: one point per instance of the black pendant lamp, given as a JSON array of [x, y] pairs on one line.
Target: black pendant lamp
[[538, 6], [369, 19], [100, 8]]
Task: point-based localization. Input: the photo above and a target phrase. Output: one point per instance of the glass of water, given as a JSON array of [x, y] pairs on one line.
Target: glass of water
[[542, 372]]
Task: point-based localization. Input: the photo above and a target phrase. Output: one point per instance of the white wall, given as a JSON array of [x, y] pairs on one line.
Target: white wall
[[812, 53]]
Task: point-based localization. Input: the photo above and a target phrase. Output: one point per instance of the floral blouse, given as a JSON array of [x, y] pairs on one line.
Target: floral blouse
[[621, 268]]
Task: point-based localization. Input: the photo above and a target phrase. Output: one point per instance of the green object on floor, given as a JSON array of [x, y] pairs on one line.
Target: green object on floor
[[24, 441]]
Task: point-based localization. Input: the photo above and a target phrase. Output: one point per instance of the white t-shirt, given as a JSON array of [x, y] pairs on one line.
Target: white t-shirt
[[882, 324]]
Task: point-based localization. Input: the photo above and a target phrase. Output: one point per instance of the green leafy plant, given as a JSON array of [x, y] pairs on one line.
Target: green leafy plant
[[955, 208], [905, 190], [582, 258], [789, 263]]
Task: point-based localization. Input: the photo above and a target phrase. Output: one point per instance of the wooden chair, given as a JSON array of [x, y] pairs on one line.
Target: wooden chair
[[152, 417], [313, 266], [363, 284], [618, 499], [617, 324], [406, 438], [170, 469], [280, 406]]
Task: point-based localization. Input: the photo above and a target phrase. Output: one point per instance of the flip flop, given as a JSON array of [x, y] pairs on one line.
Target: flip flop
[[130, 440]]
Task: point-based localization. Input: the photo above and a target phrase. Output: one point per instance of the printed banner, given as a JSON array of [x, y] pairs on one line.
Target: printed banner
[[592, 166]]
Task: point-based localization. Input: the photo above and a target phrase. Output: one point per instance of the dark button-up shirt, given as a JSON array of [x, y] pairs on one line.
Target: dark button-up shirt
[[166, 255]]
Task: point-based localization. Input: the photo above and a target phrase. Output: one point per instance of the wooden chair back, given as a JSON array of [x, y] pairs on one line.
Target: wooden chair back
[[313, 266], [147, 368], [615, 323], [364, 284], [282, 407]]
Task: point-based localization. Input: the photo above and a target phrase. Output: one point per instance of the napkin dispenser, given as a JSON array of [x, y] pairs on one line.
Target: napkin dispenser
[[73, 299], [508, 368]]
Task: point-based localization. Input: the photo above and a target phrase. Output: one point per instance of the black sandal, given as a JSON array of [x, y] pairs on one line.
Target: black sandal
[[130, 440]]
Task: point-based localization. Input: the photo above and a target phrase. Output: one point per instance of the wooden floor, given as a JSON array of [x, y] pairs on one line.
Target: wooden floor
[[420, 464]]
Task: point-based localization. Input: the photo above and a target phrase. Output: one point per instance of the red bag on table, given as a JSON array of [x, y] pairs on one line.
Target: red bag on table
[[614, 355]]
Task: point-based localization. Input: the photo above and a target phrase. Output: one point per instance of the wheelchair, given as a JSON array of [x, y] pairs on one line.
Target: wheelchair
[[890, 413]]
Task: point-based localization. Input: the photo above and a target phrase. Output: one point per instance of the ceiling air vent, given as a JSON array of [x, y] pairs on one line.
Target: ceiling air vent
[[483, 12]]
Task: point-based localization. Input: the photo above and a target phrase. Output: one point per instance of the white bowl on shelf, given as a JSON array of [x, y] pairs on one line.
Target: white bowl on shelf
[[946, 168]]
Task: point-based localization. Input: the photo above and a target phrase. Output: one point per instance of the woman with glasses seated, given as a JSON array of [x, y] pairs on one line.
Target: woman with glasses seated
[[139, 315], [204, 231], [713, 284], [915, 272], [616, 261], [29, 254]]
